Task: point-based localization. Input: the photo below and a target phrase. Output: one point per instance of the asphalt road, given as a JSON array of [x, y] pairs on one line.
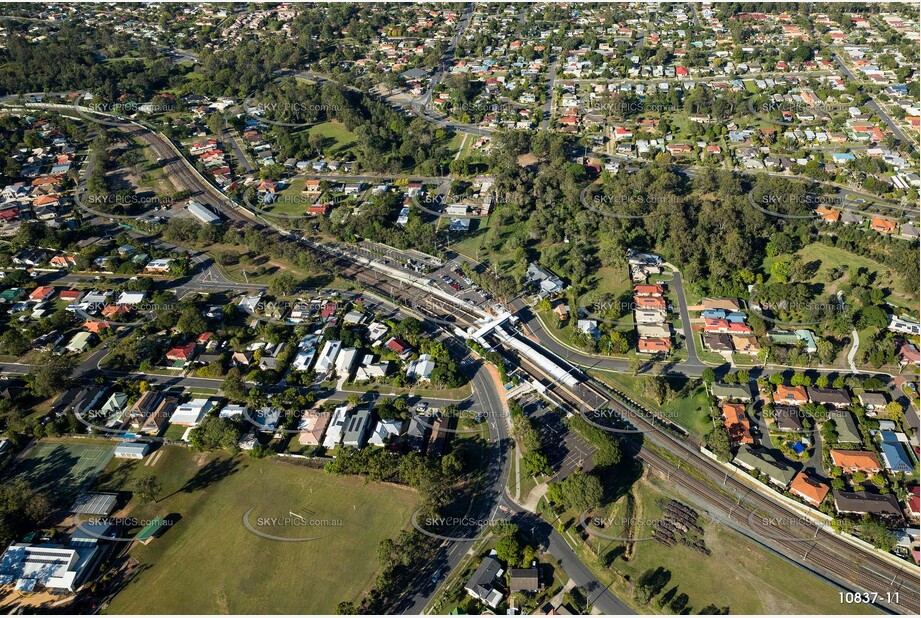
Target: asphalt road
[[878, 109]]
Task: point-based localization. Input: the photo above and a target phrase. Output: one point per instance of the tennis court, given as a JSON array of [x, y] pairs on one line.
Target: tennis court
[[63, 468]]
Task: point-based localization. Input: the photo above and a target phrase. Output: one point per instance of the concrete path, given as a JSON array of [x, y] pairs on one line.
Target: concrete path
[[852, 353]]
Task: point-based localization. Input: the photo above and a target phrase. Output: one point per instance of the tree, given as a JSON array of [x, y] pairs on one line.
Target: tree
[[191, 322], [22, 509], [893, 409], [51, 376], [717, 441], [535, 463], [876, 533], [147, 487], [509, 550], [283, 284], [679, 603], [451, 465], [776, 379], [578, 491], [12, 343], [708, 376], [213, 433], [346, 608]]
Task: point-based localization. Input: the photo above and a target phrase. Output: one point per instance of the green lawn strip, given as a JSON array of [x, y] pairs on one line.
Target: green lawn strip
[[209, 562], [460, 393], [691, 412]]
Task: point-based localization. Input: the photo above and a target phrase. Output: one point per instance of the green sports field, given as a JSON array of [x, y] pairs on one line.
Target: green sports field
[[211, 562]]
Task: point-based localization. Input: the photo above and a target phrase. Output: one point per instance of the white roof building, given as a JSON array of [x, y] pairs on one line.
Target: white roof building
[[422, 368], [131, 298], [376, 332], [345, 361], [46, 565], [384, 431], [336, 427], [192, 412], [233, 411], [306, 350], [328, 356]]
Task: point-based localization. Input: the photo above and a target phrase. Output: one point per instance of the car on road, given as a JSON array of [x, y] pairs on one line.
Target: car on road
[[436, 576]]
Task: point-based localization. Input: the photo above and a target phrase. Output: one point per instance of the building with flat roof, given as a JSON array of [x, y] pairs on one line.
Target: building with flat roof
[[356, 429], [99, 504], [192, 412], [47, 565], [132, 450]]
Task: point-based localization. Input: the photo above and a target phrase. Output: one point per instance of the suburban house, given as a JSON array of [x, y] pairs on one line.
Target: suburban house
[[80, 342], [421, 369], [737, 423], [312, 427], [327, 358], [356, 429], [853, 461], [191, 413], [882, 225], [335, 427], [41, 294], [893, 453], [742, 392], [182, 354], [654, 345], [779, 471], [846, 426], [546, 281], [524, 580], [791, 395], [385, 431], [481, 584], [873, 401], [788, 418], [157, 420], [399, 346], [863, 502], [809, 489], [829, 397]]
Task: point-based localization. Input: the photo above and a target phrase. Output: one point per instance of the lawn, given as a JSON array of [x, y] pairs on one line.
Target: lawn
[[826, 258], [335, 132], [62, 468], [738, 573], [209, 562], [691, 411]]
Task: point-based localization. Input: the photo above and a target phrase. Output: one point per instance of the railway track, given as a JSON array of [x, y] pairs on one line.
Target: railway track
[[736, 503], [180, 171], [746, 510]]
